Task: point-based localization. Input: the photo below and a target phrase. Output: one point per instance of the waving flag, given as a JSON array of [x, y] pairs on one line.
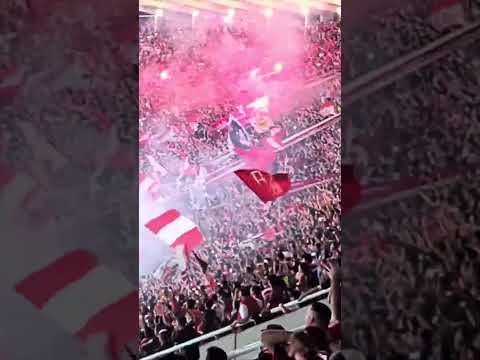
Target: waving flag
[[238, 135], [266, 186], [261, 158], [175, 230], [55, 286]]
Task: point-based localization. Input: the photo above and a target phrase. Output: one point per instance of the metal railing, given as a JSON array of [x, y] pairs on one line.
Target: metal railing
[[228, 329]]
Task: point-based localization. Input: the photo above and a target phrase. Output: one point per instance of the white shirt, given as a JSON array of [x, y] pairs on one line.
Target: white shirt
[[243, 311], [219, 311]]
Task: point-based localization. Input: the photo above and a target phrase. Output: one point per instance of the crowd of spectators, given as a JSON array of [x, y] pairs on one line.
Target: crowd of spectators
[[168, 317], [255, 257], [387, 35], [412, 266], [199, 135]]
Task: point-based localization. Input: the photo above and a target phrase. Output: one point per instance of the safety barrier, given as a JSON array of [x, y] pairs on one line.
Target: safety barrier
[[228, 329]]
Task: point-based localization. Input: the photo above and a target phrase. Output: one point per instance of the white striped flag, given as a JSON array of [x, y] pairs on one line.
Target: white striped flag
[[447, 13], [84, 297], [175, 230]]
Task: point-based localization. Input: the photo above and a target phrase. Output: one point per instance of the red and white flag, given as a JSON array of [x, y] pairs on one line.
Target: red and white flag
[[175, 230], [56, 286], [266, 186], [261, 157], [447, 13]]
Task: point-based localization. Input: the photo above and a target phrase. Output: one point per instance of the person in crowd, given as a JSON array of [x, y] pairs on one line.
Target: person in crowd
[[215, 353], [301, 277], [302, 346], [248, 308], [319, 316], [149, 343], [193, 315], [183, 332], [288, 229], [210, 321]]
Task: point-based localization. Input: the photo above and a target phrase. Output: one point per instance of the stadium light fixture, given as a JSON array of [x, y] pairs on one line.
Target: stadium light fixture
[[305, 10], [268, 12], [195, 13], [164, 75]]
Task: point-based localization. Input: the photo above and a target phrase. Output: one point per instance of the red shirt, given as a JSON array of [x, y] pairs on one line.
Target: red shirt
[[335, 332]]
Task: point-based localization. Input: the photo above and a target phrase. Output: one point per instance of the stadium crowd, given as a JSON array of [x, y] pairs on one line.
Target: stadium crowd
[[412, 290], [394, 33], [262, 256], [199, 135], [453, 263]]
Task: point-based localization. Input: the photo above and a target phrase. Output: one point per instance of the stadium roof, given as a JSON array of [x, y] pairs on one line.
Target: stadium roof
[[223, 6]]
